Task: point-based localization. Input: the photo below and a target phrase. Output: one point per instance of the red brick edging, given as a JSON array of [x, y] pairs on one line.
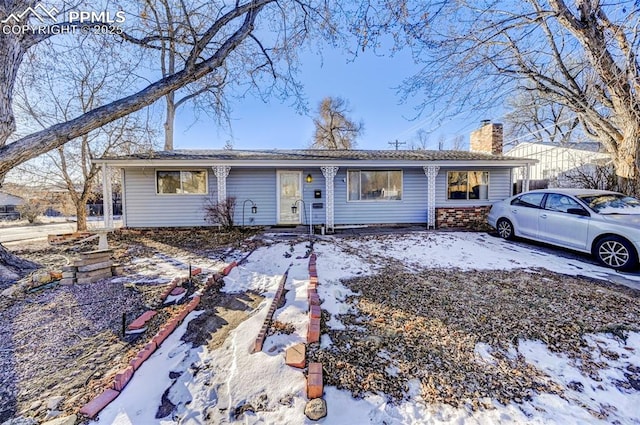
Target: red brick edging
[[122, 378], [314, 374], [262, 335]]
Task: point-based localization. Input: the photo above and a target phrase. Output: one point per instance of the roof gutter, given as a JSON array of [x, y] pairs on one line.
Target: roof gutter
[[515, 162]]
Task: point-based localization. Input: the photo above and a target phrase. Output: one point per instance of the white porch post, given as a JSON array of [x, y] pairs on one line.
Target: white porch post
[[431, 171], [329, 173], [527, 176], [221, 172], [107, 197]]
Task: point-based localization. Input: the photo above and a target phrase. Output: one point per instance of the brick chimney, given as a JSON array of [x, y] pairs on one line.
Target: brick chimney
[[487, 139]]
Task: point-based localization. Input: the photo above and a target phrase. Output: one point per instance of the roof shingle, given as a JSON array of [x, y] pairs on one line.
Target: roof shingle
[[312, 155]]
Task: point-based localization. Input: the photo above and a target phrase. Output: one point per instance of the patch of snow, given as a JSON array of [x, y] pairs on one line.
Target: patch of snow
[[132, 405], [225, 379], [607, 392], [483, 353]]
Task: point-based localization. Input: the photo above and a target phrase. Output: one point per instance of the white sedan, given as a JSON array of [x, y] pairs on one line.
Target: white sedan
[[603, 223]]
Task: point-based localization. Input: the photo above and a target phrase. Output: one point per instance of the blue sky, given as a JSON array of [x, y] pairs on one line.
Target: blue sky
[[368, 83]]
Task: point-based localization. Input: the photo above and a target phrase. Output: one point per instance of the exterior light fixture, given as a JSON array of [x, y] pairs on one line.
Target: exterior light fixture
[[254, 209], [294, 210], [309, 178]]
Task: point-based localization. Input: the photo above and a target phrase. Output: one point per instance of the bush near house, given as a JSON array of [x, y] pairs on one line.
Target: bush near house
[[221, 213]]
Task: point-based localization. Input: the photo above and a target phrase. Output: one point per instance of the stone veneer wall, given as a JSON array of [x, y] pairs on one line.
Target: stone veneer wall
[[462, 217]]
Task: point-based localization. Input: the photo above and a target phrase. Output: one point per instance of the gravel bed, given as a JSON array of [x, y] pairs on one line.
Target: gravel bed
[[67, 341], [57, 341]]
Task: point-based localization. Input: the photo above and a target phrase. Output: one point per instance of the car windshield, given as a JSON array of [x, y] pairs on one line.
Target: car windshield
[[612, 203]]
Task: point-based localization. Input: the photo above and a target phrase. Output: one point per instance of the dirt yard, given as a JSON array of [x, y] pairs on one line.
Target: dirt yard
[[60, 345], [427, 328], [406, 325]]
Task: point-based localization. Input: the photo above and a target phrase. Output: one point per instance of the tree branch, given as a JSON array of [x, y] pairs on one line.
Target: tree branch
[[57, 135]]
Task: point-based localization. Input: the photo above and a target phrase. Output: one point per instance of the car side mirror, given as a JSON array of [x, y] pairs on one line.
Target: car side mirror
[[578, 211]]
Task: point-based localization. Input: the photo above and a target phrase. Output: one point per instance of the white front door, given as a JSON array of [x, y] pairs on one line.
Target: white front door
[[289, 191]]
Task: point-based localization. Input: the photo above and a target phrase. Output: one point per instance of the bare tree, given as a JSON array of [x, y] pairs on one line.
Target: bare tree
[[167, 17], [334, 129], [230, 32], [582, 55], [533, 118], [99, 70], [420, 141], [227, 37], [457, 143]]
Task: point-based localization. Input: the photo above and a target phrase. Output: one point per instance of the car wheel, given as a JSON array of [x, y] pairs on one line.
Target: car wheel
[[505, 229], [616, 252]]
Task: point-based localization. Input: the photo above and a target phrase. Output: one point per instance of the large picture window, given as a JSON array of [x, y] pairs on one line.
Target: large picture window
[[365, 185], [181, 182], [468, 185]]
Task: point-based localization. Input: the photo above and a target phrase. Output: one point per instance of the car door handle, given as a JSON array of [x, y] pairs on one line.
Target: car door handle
[[543, 216], [514, 211]]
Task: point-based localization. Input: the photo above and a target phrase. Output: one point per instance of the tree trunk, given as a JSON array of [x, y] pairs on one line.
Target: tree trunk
[[15, 264], [11, 54], [43, 141], [169, 122], [81, 215]]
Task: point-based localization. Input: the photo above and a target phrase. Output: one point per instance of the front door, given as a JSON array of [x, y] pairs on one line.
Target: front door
[[289, 191]]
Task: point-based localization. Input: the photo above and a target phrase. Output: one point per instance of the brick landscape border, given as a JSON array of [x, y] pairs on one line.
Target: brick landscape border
[[262, 335], [315, 387], [295, 356], [122, 378]]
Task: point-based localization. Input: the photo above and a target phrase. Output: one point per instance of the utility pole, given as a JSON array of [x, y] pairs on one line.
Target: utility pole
[[396, 143]]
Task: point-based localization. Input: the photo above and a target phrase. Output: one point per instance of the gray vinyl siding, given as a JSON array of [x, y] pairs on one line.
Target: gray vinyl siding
[[318, 214], [499, 187], [145, 208], [257, 185], [411, 209]]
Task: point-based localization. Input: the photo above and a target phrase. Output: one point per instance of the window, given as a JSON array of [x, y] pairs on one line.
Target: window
[[468, 185], [181, 182], [560, 203], [530, 200], [376, 185], [612, 204]]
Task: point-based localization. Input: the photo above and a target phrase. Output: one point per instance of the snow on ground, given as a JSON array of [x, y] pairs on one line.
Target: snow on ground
[[219, 386], [472, 251]]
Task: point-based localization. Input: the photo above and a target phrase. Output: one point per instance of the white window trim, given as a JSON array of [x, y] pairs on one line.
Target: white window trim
[[467, 199], [180, 170], [374, 200]]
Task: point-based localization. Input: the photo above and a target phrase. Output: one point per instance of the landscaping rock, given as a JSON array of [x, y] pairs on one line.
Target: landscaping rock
[[41, 277], [21, 421], [54, 402], [316, 409], [66, 420], [35, 405], [51, 414]]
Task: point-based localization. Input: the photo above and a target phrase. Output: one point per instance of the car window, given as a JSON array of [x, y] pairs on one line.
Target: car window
[[531, 200], [614, 203], [561, 203]]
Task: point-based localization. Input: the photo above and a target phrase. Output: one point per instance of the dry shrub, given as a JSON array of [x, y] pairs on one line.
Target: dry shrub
[[221, 213]]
